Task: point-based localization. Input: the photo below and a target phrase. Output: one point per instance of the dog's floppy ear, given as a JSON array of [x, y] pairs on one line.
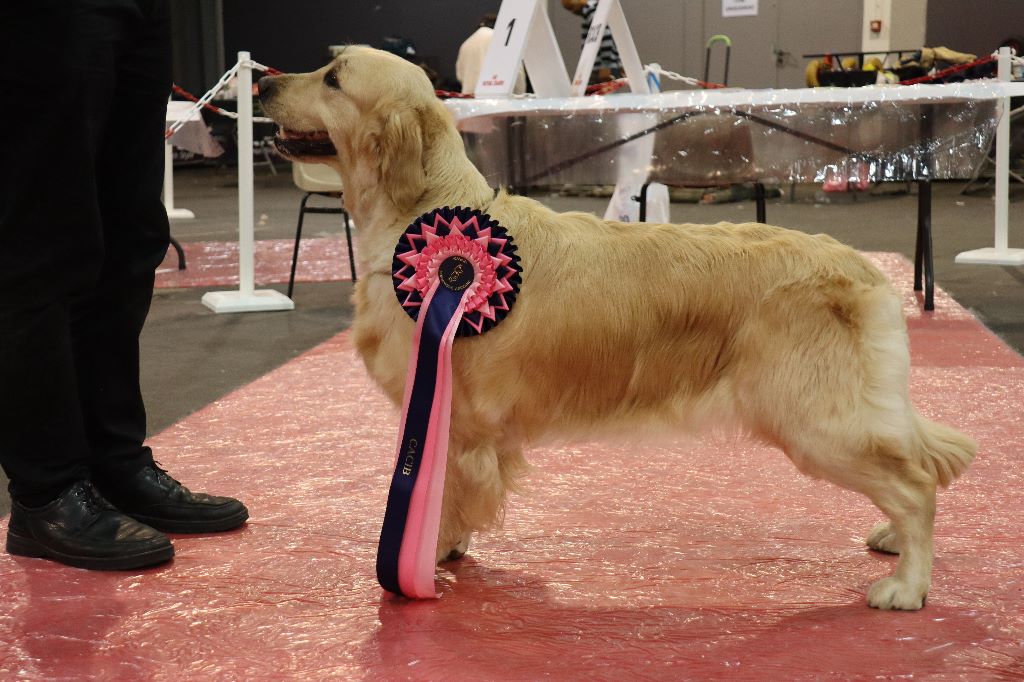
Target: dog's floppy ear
[[400, 148]]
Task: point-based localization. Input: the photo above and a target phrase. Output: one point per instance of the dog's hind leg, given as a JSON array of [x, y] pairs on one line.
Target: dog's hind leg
[[906, 494], [836, 400], [476, 482], [893, 479]]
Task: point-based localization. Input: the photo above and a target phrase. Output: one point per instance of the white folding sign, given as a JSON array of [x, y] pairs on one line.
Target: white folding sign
[[523, 34], [609, 14]]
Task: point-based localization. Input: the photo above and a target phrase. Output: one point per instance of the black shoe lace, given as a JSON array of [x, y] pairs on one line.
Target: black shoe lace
[[90, 498], [163, 473]]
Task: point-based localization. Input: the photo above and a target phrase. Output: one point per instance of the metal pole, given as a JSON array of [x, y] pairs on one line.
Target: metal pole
[[246, 299], [246, 246], [1003, 158], [168, 178], [1000, 253], [172, 212]]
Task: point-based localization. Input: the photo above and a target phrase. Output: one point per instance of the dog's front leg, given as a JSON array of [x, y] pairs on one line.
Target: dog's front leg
[[476, 480]]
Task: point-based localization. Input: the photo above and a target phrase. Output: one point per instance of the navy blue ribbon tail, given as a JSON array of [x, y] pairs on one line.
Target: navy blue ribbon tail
[[439, 314]]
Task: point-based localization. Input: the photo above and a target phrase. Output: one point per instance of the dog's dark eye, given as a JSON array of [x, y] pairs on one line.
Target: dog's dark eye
[[331, 80]]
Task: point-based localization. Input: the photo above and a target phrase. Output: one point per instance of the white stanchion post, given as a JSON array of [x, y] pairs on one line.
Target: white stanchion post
[[246, 180], [1001, 253], [247, 298], [172, 212]]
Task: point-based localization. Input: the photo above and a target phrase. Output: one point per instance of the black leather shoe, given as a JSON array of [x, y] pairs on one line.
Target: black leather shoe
[[154, 498], [82, 529]]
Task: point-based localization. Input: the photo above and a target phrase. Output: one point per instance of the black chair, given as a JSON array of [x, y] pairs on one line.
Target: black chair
[[318, 180]]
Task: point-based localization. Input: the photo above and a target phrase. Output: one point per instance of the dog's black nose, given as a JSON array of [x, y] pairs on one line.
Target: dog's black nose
[[266, 87]]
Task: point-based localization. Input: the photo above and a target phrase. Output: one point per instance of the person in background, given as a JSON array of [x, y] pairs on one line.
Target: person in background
[[82, 231], [471, 57], [608, 65]]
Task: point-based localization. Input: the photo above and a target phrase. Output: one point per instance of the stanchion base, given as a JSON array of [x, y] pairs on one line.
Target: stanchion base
[[237, 302], [992, 256], [180, 214]]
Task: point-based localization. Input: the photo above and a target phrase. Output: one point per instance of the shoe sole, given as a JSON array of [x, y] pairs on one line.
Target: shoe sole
[[19, 545], [201, 526]]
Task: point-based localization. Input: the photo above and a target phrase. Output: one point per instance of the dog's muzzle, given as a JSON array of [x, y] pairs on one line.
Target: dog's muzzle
[[294, 143]]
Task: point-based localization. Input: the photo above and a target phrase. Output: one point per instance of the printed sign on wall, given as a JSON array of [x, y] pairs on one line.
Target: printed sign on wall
[[739, 8]]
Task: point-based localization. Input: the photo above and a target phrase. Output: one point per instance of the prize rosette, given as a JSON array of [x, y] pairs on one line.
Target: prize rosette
[[456, 273]]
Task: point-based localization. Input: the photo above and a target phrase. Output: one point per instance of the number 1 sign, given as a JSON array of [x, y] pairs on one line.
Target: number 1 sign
[[523, 34]]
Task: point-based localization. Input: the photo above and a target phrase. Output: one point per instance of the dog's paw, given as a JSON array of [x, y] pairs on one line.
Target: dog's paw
[[458, 551], [893, 593], [883, 539]]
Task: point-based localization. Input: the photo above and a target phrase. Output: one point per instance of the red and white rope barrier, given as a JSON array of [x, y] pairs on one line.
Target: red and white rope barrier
[[204, 101], [689, 80]]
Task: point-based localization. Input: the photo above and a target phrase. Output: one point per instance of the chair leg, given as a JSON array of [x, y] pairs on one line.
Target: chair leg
[[642, 199], [924, 220], [919, 240], [270, 161], [348, 238], [298, 238], [180, 252], [759, 201]]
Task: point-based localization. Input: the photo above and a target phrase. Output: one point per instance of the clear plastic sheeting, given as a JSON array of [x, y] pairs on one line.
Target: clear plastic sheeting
[[706, 560], [706, 138]]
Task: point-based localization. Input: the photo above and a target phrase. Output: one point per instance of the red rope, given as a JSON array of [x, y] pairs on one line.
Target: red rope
[[950, 71], [448, 94], [178, 90], [607, 87]]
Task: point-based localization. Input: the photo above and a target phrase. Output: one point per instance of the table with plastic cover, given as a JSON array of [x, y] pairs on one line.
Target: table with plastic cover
[[912, 134]]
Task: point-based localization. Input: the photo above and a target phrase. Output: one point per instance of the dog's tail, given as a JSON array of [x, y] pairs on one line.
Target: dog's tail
[[941, 450], [945, 452]]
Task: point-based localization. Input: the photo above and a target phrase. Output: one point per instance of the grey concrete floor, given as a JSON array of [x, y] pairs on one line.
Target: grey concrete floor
[[191, 356]]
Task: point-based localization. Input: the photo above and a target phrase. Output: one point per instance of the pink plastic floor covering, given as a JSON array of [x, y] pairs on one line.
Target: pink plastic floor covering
[[212, 264], [706, 560]]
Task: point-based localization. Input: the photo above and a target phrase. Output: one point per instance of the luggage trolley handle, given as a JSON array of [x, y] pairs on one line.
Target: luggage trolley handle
[[707, 57]]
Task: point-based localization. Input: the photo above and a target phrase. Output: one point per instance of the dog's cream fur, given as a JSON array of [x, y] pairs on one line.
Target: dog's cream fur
[[796, 339]]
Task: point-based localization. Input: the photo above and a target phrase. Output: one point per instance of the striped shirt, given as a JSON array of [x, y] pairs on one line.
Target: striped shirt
[[607, 55]]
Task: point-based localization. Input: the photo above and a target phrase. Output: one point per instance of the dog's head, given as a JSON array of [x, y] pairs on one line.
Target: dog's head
[[365, 106]]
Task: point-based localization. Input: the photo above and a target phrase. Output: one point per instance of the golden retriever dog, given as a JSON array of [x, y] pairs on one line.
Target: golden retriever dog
[[795, 339]]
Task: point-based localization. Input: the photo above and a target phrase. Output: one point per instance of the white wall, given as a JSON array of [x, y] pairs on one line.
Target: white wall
[[903, 25]]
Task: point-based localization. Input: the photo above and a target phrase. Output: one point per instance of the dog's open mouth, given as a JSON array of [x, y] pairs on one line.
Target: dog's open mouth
[[296, 143]]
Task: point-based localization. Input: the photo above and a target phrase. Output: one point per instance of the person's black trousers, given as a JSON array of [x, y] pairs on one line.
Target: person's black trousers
[[83, 95]]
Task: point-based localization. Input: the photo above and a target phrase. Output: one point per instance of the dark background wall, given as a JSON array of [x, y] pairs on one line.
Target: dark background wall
[[977, 26], [293, 36], [198, 43]]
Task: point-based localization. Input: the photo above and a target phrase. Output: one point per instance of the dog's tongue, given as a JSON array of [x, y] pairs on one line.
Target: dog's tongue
[[300, 135]]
